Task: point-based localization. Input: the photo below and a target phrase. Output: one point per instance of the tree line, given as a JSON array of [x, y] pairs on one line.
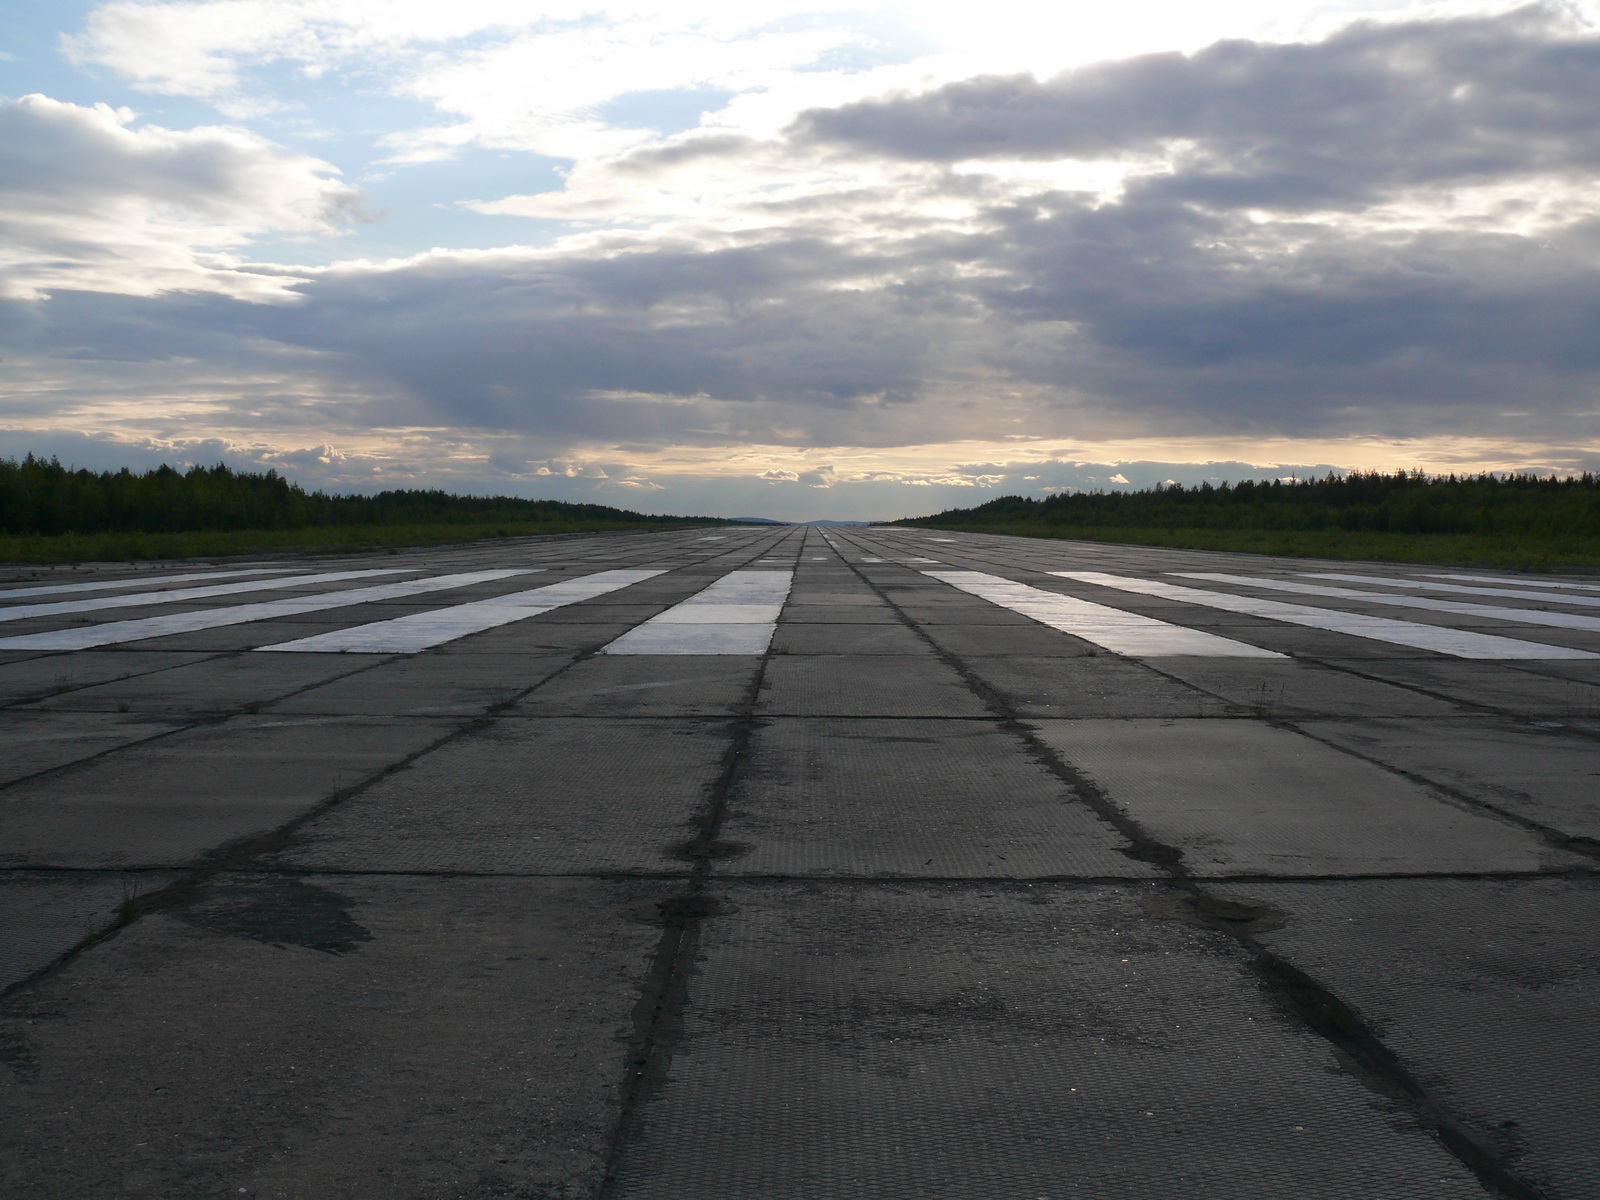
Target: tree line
[[42, 497], [1362, 501]]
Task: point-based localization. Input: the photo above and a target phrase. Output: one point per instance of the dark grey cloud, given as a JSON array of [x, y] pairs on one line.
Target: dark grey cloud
[[1318, 125]]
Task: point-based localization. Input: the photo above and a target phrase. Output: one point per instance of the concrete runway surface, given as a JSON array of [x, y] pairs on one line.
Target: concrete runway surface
[[799, 864]]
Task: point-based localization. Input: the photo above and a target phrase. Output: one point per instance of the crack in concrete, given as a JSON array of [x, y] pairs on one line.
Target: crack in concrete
[[1315, 1007]]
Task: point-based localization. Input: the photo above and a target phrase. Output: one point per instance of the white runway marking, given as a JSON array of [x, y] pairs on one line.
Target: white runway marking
[[1111, 628], [1544, 583], [140, 629], [421, 631], [872, 560], [111, 585], [1457, 589], [735, 615], [58, 608], [1457, 642], [1494, 612]]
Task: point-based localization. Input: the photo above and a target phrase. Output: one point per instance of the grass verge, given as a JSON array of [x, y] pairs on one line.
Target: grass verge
[[1444, 549], [332, 539]]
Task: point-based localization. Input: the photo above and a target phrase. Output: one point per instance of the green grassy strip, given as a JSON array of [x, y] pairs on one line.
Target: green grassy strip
[[1516, 552], [334, 539]]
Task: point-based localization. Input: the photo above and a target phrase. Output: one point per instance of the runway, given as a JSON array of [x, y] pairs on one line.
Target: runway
[[799, 864]]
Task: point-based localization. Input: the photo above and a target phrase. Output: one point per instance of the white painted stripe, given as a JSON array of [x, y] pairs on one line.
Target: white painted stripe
[[1460, 643], [111, 585], [1494, 612], [1544, 583], [1110, 628], [58, 608], [151, 627], [1457, 589], [421, 631], [735, 615]]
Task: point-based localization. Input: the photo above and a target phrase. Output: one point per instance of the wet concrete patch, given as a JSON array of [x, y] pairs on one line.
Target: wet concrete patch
[[280, 912]]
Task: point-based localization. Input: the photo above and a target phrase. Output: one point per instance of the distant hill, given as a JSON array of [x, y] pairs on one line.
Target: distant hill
[[755, 521]]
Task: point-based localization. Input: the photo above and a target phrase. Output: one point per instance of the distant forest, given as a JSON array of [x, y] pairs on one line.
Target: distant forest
[[43, 498], [1407, 502]]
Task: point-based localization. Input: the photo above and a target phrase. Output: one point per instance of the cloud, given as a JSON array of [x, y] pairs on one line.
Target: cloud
[[1390, 232], [89, 202], [1300, 126]]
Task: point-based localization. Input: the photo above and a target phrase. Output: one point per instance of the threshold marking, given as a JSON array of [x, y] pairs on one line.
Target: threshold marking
[[1109, 628], [421, 631], [1544, 583], [735, 615], [1495, 612], [1457, 589], [144, 599], [109, 585], [140, 629], [1457, 642]]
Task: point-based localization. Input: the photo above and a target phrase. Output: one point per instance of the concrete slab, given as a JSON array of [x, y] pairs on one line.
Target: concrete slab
[[1296, 689], [44, 914], [846, 639], [1487, 989], [1492, 685], [532, 797], [795, 613], [1244, 798], [428, 684], [952, 799], [826, 685], [678, 685], [959, 613], [166, 804], [1092, 685], [904, 1043], [217, 685], [44, 675], [1547, 775], [37, 741], [1010, 641], [370, 1039]]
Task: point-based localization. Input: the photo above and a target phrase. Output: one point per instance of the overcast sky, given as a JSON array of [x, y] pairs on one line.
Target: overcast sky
[[799, 260]]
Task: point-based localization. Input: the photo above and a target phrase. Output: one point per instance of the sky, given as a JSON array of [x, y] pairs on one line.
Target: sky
[[800, 260]]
